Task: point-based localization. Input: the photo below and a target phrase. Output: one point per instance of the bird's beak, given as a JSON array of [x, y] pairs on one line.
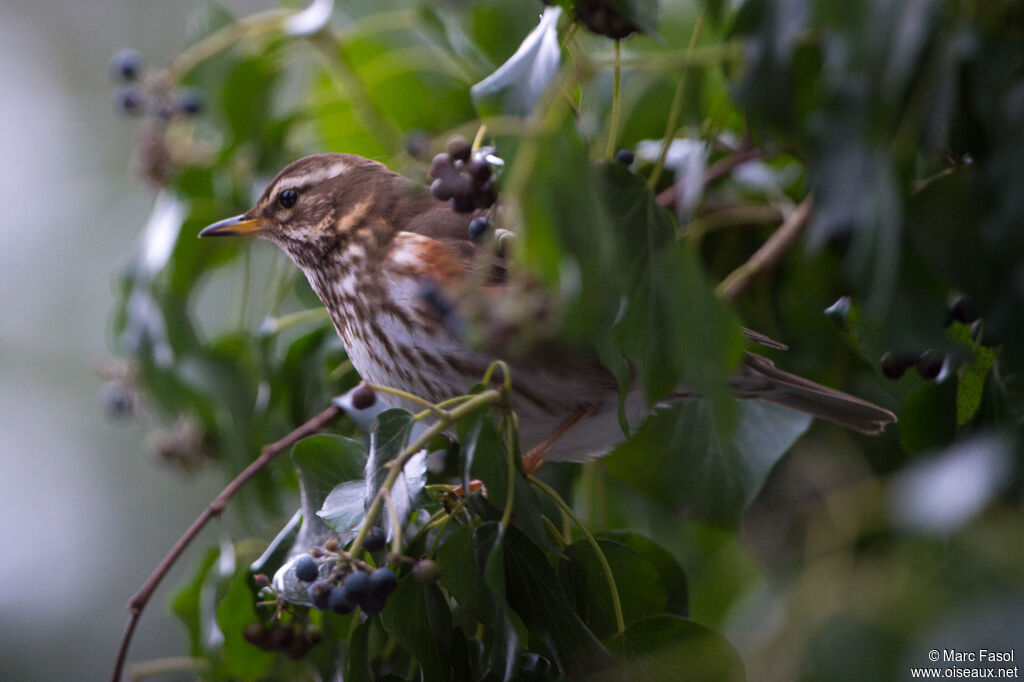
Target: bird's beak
[[239, 225]]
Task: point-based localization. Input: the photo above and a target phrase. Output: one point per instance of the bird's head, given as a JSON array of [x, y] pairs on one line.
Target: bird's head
[[315, 205]]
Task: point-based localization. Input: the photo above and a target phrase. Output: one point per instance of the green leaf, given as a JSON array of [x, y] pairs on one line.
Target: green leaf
[[535, 594], [678, 457], [486, 459], [489, 548], [928, 416], [185, 602], [241, 659], [345, 506], [462, 577], [389, 437], [641, 592], [669, 648], [277, 551], [971, 385], [517, 85], [670, 573], [417, 616], [322, 462], [357, 662]]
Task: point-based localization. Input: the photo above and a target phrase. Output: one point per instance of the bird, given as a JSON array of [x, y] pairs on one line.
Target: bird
[[383, 254]]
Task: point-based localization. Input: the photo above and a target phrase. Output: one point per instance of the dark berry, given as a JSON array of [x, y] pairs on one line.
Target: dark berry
[[306, 569], [357, 584], [319, 593], [458, 148], [962, 311], [463, 203], [839, 312], [363, 397], [478, 228], [982, 333], [486, 195], [383, 581], [298, 649], [930, 363], [895, 364], [126, 65], [130, 100], [340, 602], [426, 571], [373, 604], [375, 540], [441, 190], [534, 667], [189, 102], [602, 17], [314, 635], [479, 170], [256, 634], [625, 157], [281, 637], [261, 580], [417, 144]]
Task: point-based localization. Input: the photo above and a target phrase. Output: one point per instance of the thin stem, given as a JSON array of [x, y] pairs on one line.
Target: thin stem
[[256, 24], [613, 126], [368, 113], [171, 664], [396, 523], [138, 602], [620, 622], [411, 397], [301, 317], [479, 138], [770, 253], [489, 397], [506, 516], [672, 124]]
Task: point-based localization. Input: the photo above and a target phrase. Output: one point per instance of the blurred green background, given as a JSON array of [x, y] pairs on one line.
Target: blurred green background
[[86, 511], [857, 557]]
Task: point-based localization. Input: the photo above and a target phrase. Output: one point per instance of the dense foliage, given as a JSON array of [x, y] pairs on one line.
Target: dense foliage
[[843, 177]]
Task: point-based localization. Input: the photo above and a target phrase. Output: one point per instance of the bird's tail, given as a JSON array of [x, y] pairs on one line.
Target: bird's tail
[[760, 379]]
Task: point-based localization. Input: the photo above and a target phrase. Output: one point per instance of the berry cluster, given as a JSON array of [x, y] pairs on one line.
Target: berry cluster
[[930, 363], [134, 97], [603, 17], [462, 177], [348, 584], [292, 639]]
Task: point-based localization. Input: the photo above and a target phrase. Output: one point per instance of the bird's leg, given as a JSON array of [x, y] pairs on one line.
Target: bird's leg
[[533, 459]]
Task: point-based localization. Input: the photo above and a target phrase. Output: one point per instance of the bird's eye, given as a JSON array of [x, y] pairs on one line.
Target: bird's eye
[[288, 198]]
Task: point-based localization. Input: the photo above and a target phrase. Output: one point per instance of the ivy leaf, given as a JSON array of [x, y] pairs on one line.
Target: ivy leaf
[[389, 437], [322, 462], [345, 507], [670, 648], [241, 659], [461, 576], [489, 548], [670, 573], [185, 603], [641, 592], [518, 83], [535, 594], [417, 616], [679, 457]]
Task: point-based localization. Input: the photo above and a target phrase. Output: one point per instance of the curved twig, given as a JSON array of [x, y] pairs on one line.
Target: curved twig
[[770, 253], [142, 597]]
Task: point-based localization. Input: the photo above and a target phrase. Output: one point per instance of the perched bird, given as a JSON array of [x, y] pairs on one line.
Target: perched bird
[[382, 254]]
